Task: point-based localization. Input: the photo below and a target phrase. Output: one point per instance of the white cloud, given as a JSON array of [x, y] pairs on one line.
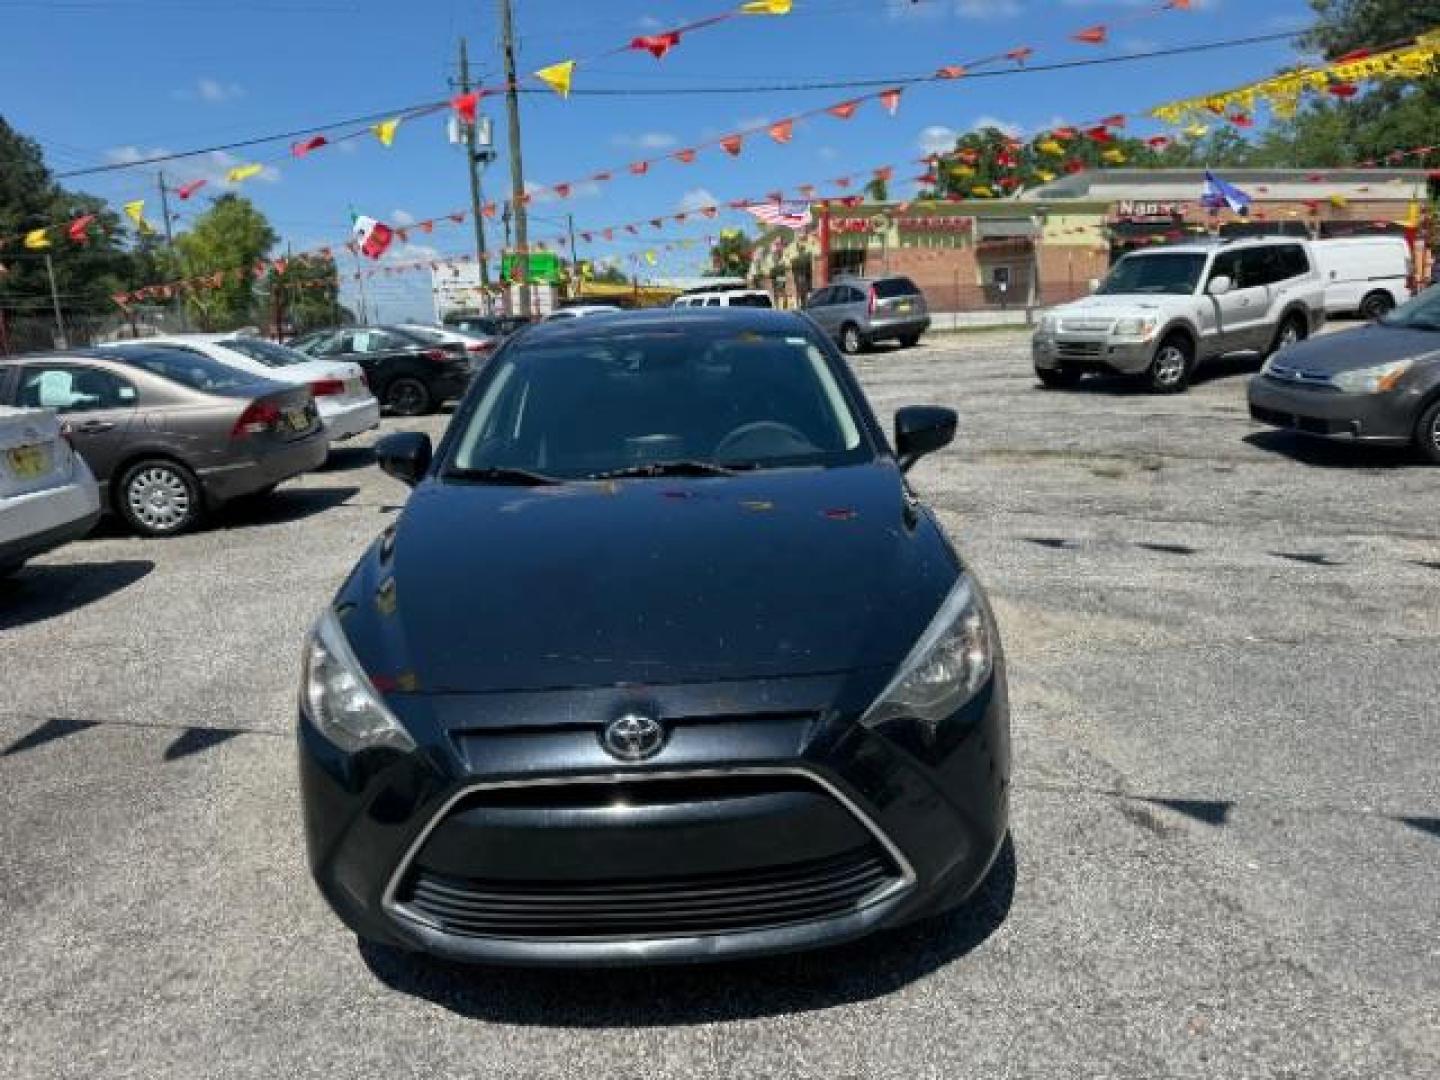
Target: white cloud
[[988, 10], [828, 153], [694, 199], [403, 218], [646, 140], [937, 139], [649, 22], [211, 91]]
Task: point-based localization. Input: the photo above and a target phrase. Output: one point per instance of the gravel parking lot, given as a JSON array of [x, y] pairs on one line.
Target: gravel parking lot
[[1224, 650]]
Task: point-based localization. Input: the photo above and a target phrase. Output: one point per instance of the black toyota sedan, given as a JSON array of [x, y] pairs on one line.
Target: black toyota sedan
[[663, 661], [1378, 384]]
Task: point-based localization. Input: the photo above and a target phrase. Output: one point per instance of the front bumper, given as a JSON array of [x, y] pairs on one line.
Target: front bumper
[[265, 467], [1091, 353], [1333, 414], [345, 420], [501, 842]]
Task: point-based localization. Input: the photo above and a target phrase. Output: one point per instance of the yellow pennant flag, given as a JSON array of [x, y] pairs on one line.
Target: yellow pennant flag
[[962, 170], [1197, 131], [558, 76], [36, 239], [385, 130], [1044, 176], [241, 173], [982, 191], [1114, 156], [1050, 146], [650, 257], [135, 211], [766, 7]]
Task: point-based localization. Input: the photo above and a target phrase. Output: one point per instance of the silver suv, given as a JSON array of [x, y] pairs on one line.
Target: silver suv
[[857, 312], [1160, 313]]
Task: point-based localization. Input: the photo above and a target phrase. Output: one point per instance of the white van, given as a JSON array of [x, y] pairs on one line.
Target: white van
[[1365, 275], [725, 298]]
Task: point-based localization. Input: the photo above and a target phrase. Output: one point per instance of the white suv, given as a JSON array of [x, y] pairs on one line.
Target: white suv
[[1160, 313]]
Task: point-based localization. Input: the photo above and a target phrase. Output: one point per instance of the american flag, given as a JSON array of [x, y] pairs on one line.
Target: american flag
[[791, 215]]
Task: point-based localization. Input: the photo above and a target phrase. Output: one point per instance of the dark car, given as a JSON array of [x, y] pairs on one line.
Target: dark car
[[170, 433], [1377, 384], [409, 376], [662, 661], [497, 326]]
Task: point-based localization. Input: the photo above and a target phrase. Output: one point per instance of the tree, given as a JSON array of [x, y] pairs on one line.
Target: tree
[[232, 235], [609, 274], [309, 289], [877, 190], [731, 255]]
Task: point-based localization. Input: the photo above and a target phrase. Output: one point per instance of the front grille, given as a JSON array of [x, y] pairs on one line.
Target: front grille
[[1079, 349], [1087, 326], [728, 903]]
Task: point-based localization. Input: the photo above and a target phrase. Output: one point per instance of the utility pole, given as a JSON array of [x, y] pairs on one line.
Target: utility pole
[[475, 159], [61, 341], [517, 166], [170, 247], [574, 255]]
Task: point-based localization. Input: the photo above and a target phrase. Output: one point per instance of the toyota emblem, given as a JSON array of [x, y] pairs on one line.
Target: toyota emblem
[[633, 737]]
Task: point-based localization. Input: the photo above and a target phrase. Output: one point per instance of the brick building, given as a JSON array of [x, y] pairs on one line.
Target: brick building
[[1045, 246]]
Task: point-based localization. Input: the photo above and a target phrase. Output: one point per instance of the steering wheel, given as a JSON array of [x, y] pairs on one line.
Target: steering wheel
[[765, 436]]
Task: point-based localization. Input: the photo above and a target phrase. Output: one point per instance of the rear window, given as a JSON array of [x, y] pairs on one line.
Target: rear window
[[187, 368], [888, 288], [265, 352], [760, 300]]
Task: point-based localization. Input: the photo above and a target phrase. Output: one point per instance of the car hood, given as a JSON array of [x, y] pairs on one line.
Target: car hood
[[1114, 307], [777, 573], [1363, 347]]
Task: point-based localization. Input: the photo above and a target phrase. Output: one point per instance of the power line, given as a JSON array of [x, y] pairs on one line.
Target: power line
[[771, 88]]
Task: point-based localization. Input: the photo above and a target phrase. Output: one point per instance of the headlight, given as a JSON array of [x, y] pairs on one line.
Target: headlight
[[339, 698], [1371, 380], [1134, 328], [948, 665]]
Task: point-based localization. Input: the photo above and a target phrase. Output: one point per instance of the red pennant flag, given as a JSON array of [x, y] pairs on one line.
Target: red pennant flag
[[709, 211], [562, 190], [657, 45], [186, 190], [806, 190], [1343, 90], [891, 99], [300, 149], [600, 178], [950, 71], [458, 217], [1021, 54], [402, 235], [842, 181], [1158, 142], [851, 200], [123, 299], [585, 236], [782, 131], [686, 156], [844, 111], [1074, 166], [1241, 120], [1091, 35], [1115, 121], [523, 199], [1099, 134], [609, 234], [731, 145], [1065, 134], [324, 252], [77, 228], [464, 106], [681, 216], [489, 210], [640, 168]]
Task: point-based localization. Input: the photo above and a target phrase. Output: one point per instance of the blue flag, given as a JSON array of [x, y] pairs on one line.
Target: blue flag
[[1218, 195]]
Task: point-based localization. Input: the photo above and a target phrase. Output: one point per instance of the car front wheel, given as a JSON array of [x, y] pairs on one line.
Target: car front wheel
[[1427, 433], [1169, 370], [407, 396], [1292, 331], [159, 498]]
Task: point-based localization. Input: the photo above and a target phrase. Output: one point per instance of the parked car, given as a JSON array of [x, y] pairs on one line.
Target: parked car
[[169, 433], [409, 376], [477, 346], [857, 312], [580, 311], [346, 406], [501, 326], [725, 298], [1364, 275], [1159, 314], [48, 496], [1378, 383], [630, 728]]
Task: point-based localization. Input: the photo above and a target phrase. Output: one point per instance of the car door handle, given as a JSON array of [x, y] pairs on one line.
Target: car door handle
[[92, 427]]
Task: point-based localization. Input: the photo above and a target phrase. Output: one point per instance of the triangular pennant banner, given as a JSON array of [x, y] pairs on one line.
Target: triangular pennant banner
[[782, 131], [731, 145], [657, 45], [300, 149], [385, 130], [558, 76], [891, 99], [844, 111]]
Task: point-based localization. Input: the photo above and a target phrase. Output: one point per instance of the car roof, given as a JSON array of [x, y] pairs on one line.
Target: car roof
[[109, 353], [625, 323], [1207, 247]]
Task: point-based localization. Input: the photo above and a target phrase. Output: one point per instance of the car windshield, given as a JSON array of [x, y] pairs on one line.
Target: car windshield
[[692, 401], [265, 352], [1177, 273], [1420, 312], [187, 368]]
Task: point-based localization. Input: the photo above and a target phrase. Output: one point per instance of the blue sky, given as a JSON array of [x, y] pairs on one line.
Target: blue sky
[[105, 80]]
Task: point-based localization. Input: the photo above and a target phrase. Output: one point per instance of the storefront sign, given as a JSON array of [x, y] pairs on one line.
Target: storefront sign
[[1149, 210], [938, 224]]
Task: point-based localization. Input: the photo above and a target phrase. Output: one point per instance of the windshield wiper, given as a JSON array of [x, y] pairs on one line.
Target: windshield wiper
[[495, 474], [672, 468]]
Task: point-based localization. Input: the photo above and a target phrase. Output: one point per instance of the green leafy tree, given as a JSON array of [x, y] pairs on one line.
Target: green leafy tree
[[309, 289], [231, 235], [731, 254], [877, 190]]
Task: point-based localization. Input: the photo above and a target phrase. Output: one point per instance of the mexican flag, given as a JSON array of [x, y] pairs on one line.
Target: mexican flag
[[371, 237]]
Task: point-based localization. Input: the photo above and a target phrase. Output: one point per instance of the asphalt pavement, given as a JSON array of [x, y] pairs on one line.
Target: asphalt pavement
[[1224, 650]]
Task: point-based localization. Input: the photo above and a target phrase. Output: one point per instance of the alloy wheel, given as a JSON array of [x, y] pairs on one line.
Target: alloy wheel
[[159, 498], [406, 397], [1169, 365]]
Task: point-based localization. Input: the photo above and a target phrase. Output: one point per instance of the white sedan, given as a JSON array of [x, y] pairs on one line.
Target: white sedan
[[342, 397], [48, 495]]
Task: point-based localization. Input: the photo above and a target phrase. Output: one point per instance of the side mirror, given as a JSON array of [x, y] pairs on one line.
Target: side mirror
[[1094, 284], [1219, 285], [920, 430], [404, 455]]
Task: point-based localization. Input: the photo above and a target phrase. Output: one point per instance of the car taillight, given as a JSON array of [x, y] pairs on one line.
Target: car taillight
[[327, 387], [871, 308], [437, 354], [258, 418]]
